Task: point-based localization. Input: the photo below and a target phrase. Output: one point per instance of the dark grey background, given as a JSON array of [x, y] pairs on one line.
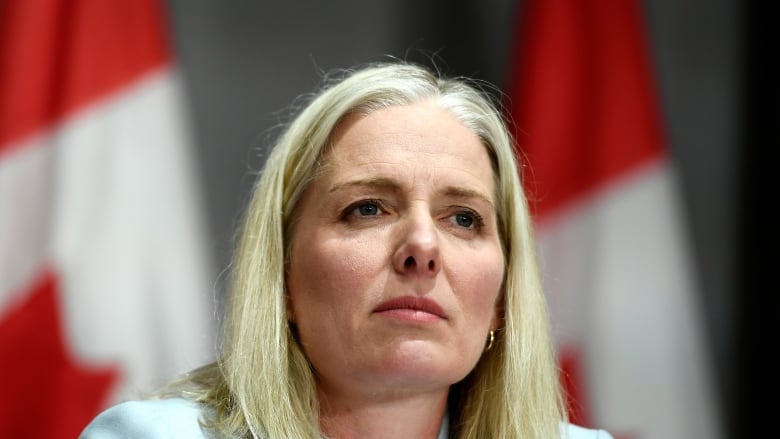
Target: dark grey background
[[245, 61]]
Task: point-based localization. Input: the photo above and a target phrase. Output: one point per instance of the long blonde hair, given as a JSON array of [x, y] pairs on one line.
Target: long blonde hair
[[262, 384]]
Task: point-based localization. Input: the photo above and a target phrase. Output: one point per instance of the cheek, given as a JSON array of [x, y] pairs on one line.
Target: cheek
[[483, 283], [324, 279], [328, 289]]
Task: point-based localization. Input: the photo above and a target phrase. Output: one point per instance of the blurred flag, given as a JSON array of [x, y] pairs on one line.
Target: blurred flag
[[104, 278], [609, 221]]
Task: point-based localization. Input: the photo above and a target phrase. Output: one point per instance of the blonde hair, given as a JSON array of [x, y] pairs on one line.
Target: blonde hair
[[262, 384]]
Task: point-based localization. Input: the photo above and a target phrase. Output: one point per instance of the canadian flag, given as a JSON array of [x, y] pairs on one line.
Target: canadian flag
[[610, 223], [104, 276]]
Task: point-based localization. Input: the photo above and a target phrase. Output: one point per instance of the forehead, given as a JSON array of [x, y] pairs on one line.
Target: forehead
[[421, 135]]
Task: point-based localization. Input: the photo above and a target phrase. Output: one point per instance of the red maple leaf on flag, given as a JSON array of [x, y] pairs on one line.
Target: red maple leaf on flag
[[47, 393]]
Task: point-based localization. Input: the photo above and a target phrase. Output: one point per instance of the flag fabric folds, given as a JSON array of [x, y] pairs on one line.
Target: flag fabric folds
[[104, 276], [610, 223]]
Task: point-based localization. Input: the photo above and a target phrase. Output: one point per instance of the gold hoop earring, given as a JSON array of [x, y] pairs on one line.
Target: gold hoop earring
[[491, 338]]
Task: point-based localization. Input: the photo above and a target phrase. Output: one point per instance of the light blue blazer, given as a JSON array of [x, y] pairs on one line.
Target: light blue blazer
[[177, 418]]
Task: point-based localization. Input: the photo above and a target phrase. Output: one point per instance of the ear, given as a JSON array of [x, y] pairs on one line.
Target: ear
[[497, 321], [288, 307]]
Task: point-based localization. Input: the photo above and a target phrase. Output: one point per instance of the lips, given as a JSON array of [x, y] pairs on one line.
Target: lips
[[411, 304]]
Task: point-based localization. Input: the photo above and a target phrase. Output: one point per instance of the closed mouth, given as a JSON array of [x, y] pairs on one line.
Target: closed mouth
[[413, 303]]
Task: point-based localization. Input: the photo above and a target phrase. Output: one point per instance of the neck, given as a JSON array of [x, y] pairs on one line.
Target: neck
[[386, 416]]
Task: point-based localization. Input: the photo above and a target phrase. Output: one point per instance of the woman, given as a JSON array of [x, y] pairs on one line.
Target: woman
[[385, 283]]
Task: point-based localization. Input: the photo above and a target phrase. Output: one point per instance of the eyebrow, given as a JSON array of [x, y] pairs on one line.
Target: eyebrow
[[379, 183], [388, 184], [459, 192]]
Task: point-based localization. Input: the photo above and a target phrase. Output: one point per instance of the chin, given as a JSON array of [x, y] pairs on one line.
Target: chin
[[417, 362]]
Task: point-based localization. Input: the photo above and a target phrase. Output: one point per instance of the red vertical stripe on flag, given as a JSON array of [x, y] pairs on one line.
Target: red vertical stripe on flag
[[582, 97], [586, 112], [56, 58], [47, 393], [58, 55], [574, 382]]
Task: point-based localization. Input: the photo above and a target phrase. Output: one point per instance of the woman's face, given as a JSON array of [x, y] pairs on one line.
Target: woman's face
[[396, 264]]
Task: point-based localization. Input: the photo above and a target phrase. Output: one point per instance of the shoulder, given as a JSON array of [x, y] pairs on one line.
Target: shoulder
[[571, 431], [164, 418]]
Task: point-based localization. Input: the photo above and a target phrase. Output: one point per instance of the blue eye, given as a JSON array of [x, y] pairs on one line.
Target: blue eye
[[363, 209], [368, 209], [468, 219], [464, 220]]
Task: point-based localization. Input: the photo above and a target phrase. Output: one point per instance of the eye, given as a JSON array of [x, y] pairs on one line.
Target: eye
[[468, 219], [363, 208], [464, 220], [368, 208]]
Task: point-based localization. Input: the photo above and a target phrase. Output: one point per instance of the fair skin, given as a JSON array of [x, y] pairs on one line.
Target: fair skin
[[395, 270]]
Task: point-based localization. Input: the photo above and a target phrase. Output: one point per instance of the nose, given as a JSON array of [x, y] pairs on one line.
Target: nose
[[418, 246]]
